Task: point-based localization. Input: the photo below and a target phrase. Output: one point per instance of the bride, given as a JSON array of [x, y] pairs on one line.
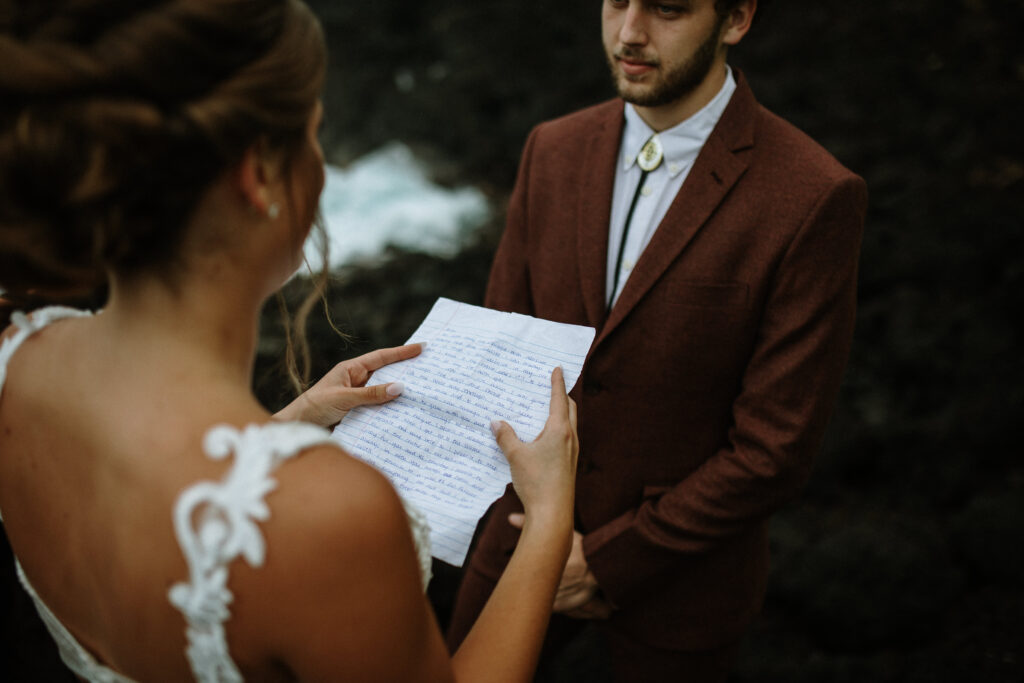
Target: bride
[[166, 526]]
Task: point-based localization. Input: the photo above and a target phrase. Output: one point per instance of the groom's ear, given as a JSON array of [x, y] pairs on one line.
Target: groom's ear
[[738, 21]]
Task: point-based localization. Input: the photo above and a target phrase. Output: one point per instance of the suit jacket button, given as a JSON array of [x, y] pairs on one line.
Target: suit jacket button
[[591, 387]]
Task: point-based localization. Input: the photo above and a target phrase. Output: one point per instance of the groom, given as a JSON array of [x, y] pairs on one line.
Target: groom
[[714, 247]]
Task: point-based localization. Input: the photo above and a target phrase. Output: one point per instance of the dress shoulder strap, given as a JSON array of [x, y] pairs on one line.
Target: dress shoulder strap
[[71, 652], [216, 522], [26, 326], [74, 656]]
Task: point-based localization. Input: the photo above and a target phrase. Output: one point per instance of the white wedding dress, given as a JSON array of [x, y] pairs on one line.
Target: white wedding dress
[[215, 523]]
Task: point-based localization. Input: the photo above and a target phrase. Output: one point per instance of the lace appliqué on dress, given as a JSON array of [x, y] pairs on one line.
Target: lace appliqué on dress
[[215, 523], [421, 539], [74, 656]]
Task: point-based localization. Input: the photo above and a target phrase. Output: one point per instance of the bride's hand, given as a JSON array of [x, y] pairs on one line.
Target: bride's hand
[[544, 470], [344, 387]]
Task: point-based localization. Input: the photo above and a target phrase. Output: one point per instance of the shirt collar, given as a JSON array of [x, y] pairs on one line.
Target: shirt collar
[[682, 142]]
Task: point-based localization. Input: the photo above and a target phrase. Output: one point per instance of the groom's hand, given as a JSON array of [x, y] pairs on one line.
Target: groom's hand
[[597, 608], [577, 594]]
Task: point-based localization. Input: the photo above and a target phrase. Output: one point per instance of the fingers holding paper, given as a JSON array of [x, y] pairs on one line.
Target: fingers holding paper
[[344, 388], [361, 368], [544, 471]]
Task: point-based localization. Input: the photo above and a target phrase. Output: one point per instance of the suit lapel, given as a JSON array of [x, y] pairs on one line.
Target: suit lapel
[[716, 170], [595, 206]]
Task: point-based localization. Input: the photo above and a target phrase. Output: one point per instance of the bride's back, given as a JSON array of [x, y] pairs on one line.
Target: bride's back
[[93, 455], [117, 122], [168, 150], [98, 443]]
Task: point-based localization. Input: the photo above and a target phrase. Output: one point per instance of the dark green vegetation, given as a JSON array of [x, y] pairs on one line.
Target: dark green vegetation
[[904, 559]]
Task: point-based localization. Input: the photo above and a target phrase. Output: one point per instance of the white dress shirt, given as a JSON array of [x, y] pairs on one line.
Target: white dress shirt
[[681, 144]]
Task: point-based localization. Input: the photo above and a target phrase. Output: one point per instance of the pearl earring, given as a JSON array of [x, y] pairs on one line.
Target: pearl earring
[[273, 211]]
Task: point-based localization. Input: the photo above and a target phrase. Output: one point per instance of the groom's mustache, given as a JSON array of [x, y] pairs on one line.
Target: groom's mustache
[[635, 56]]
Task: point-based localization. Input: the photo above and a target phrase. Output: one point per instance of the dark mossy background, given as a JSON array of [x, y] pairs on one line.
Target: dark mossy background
[[904, 558]]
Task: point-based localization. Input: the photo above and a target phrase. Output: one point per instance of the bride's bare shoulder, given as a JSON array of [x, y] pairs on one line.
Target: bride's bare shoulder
[[332, 510], [341, 577], [325, 488]]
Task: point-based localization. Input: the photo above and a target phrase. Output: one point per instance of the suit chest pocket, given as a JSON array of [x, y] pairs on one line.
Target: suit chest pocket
[[700, 294], [696, 336]]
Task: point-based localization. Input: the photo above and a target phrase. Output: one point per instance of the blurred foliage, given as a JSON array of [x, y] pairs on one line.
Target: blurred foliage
[[901, 561], [463, 80]]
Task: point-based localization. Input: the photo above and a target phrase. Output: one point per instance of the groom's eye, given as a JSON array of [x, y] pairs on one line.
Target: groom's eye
[[666, 10]]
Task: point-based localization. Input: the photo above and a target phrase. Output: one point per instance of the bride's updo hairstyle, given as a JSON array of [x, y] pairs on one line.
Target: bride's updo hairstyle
[[117, 115]]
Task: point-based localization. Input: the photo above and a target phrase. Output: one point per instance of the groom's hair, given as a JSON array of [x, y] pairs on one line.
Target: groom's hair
[[723, 7]]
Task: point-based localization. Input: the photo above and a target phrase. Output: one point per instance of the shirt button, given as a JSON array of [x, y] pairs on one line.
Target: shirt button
[[646, 191], [673, 168], [627, 265]]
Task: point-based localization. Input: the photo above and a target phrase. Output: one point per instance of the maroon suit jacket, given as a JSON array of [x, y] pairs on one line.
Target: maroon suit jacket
[[706, 393]]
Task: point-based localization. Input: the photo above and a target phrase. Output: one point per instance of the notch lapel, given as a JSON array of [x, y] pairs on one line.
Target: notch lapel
[[594, 214], [716, 170]]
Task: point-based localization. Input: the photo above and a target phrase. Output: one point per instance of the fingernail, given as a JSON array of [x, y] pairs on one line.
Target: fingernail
[[395, 389], [495, 426], [423, 345]]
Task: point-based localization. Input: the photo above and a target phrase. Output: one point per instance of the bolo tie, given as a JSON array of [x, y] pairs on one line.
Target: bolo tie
[[649, 159]]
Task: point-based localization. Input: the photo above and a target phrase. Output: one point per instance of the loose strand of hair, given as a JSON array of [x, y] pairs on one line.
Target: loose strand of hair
[[290, 363]]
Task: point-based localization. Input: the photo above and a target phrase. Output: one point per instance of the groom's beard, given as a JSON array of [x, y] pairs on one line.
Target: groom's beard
[[671, 85]]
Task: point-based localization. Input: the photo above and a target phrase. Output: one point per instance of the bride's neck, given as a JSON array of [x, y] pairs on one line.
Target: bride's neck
[[204, 317], [207, 321]]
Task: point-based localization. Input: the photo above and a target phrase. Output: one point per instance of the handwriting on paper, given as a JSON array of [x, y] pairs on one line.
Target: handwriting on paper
[[434, 442]]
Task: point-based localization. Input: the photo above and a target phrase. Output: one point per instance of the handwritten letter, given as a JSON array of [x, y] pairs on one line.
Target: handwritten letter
[[434, 442]]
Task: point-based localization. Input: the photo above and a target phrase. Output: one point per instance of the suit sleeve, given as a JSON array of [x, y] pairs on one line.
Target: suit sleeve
[[508, 288], [779, 417]]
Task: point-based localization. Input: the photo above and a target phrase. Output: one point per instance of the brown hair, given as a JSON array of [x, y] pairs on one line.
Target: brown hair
[[723, 7], [116, 115]]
